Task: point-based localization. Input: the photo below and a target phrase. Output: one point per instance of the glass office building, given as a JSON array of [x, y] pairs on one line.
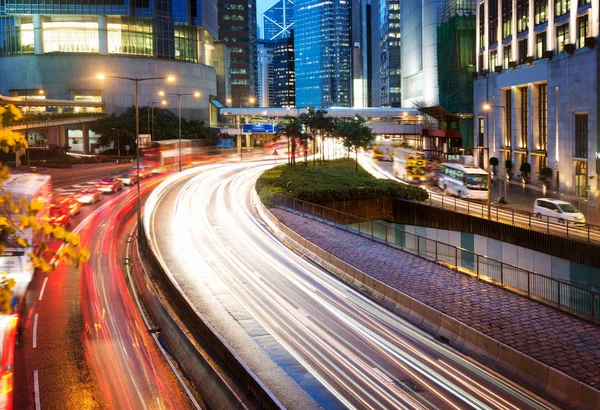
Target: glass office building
[[169, 29], [278, 20], [60, 45], [322, 53]]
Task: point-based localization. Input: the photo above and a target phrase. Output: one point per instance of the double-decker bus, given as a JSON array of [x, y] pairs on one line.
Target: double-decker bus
[[162, 156], [463, 181], [410, 165], [383, 150]]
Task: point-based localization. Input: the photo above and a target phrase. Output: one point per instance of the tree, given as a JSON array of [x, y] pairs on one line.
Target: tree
[[315, 122], [18, 214], [166, 127], [354, 134], [525, 169], [291, 127]]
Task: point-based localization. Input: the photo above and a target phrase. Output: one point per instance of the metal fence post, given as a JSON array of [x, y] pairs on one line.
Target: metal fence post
[[513, 215], [442, 201], [548, 224], [529, 213], [386, 233], [468, 211], [436, 251], [477, 264], [372, 231], [456, 257], [529, 284], [588, 226], [454, 204], [502, 274], [567, 229], [418, 245], [558, 284], [594, 305]]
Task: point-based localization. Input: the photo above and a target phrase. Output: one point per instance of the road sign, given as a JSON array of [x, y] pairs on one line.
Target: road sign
[[275, 153]]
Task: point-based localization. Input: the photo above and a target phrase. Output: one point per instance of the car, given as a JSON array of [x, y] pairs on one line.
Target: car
[[128, 178], [59, 214], [109, 184], [88, 196], [557, 210], [73, 205], [144, 172]]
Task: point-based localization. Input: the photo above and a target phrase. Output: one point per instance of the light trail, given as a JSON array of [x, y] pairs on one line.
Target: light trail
[[366, 356]]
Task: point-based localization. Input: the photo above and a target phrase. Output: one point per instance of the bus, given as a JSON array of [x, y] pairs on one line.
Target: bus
[[383, 150], [464, 181], [162, 156], [410, 165]]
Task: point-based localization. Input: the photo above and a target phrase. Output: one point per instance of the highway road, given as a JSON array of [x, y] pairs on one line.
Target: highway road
[[343, 349], [519, 217], [85, 344]]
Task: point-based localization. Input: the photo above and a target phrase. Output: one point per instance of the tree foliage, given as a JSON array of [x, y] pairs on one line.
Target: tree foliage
[[355, 134], [166, 127], [18, 214]]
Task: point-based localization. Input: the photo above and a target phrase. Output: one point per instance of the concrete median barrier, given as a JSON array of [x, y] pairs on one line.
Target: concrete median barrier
[[506, 360]]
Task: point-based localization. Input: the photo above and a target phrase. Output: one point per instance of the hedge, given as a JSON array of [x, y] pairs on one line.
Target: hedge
[[334, 181]]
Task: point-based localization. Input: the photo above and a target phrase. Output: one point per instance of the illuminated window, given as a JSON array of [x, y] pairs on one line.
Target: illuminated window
[[522, 15], [583, 30], [561, 7], [562, 38], [540, 45], [506, 18], [540, 11]]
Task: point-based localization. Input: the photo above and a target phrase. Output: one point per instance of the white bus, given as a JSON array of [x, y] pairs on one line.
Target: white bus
[[410, 165], [463, 181]]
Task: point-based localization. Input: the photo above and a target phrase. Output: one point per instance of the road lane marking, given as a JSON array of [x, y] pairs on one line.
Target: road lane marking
[[36, 390], [43, 288], [35, 322]]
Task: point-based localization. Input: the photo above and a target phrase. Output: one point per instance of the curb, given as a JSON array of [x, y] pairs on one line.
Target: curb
[[513, 364]]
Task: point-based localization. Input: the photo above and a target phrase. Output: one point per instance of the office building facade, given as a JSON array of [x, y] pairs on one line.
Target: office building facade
[[278, 20], [60, 47], [538, 73], [418, 65], [389, 83], [238, 31], [284, 80], [265, 73], [322, 53]]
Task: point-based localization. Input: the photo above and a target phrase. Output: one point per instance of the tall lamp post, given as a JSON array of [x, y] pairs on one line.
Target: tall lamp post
[[118, 140], [136, 81], [151, 104], [251, 100], [26, 97], [179, 95], [488, 107]]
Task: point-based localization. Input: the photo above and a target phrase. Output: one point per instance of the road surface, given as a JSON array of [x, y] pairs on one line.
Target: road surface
[[84, 344], [343, 349]]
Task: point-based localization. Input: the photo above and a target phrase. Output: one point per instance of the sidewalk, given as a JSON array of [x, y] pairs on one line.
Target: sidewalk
[[556, 339]]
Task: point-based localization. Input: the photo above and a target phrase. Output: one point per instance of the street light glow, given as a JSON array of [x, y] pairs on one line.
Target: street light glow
[[41, 92], [100, 76], [251, 100], [171, 78], [164, 102], [487, 107], [197, 94], [161, 93]]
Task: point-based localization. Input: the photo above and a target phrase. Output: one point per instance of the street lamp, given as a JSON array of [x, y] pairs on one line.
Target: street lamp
[[169, 78], [40, 92], [118, 140], [179, 95], [251, 100], [151, 104], [488, 107]]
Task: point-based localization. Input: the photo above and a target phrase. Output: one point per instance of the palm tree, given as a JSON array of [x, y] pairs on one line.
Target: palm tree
[[292, 129], [315, 121]]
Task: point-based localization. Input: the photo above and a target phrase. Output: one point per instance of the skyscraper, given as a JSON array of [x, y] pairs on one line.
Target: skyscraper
[[278, 20], [60, 47], [390, 79], [284, 80], [265, 73], [238, 30], [322, 53]]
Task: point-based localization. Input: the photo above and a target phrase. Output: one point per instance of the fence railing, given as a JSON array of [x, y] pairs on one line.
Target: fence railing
[[550, 291]]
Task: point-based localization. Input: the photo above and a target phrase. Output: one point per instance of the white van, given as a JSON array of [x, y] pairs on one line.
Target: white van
[[557, 210]]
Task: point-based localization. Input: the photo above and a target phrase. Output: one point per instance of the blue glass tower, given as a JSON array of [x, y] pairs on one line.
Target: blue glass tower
[[322, 53], [278, 20]]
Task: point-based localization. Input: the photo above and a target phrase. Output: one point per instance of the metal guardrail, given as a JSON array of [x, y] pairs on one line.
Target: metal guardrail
[[562, 295], [557, 226]]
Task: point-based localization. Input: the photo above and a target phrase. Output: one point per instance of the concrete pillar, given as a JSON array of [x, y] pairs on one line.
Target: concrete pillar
[[85, 134], [53, 136], [102, 35], [38, 34], [248, 140], [62, 136], [239, 140]]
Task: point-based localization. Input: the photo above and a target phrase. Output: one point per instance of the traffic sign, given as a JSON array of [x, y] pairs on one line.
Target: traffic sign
[[275, 153]]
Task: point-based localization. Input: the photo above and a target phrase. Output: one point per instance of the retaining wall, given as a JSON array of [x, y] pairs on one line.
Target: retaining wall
[[517, 366]]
